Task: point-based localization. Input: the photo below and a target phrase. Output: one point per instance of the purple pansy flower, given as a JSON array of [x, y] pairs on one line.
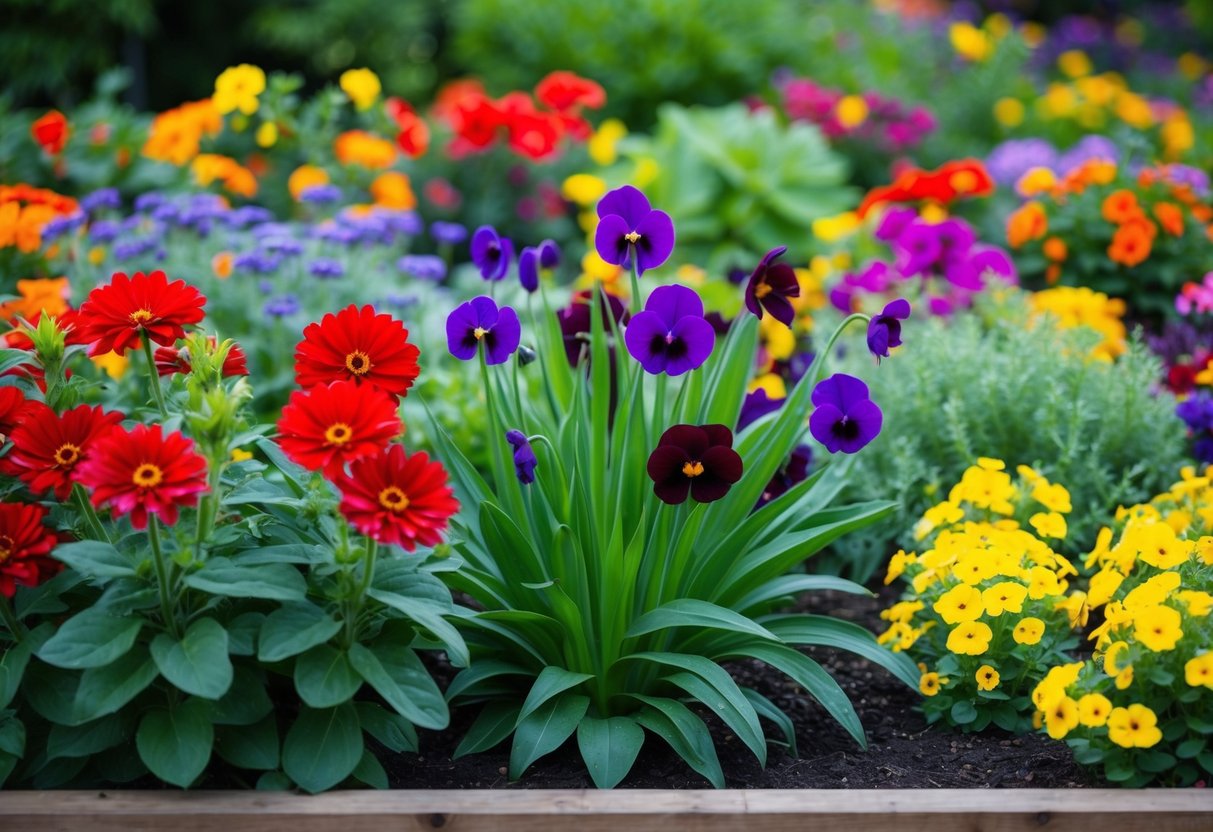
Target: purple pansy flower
[[479, 321], [524, 456], [893, 222], [757, 403], [884, 330], [670, 336], [627, 224], [695, 460], [491, 252], [844, 418], [919, 247], [533, 258], [770, 286]]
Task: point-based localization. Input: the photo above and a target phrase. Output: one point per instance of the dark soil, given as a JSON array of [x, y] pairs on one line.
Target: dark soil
[[903, 752]]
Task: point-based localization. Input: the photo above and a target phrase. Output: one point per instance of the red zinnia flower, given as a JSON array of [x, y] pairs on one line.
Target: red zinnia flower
[[563, 90], [115, 316], [47, 447], [357, 345], [393, 497], [170, 360], [51, 131], [25, 546], [13, 405], [330, 425], [141, 471]]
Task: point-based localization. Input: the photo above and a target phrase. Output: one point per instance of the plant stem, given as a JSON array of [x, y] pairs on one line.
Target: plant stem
[[10, 619], [157, 393], [209, 508], [637, 303], [166, 607], [90, 514], [820, 359]]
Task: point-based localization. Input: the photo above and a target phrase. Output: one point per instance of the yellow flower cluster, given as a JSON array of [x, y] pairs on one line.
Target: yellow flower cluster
[[1075, 306], [237, 88]]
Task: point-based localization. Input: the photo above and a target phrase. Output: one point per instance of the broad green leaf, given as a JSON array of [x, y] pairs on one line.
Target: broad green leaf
[[292, 629], [96, 559], [90, 639], [370, 771], [493, 724], [787, 586], [242, 633], [396, 674], [198, 664], [766, 708], [104, 690], [12, 666], [545, 730], [245, 701], [250, 746], [392, 730], [685, 733], [51, 692], [467, 680], [175, 743], [270, 581], [89, 738], [429, 616], [325, 677], [323, 747], [550, 682], [690, 612], [609, 748], [824, 631], [963, 712], [12, 737]]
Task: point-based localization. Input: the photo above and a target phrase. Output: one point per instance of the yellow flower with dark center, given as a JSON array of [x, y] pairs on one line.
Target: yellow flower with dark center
[[1061, 717], [1199, 671], [930, 683], [1028, 631], [1005, 596], [960, 604], [1158, 627], [362, 86], [1133, 727], [970, 639], [987, 677], [1093, 710]]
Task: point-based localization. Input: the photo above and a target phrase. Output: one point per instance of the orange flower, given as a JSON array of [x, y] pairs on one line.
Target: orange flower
[[1028, 222], [1131, 243], [1203, 213], [958, 178], [304, 177], [1121, 206], [221, 265], [1170, 217], [392, 190], [175, 135], [211, 167], [1053, 273], [1055, 249], [358, 147], [29, 227], [47, 295]]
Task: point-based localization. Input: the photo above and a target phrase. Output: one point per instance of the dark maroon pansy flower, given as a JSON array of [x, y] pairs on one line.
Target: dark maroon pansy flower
[[670, 336], [699, 461], [884, 330], [627, 224], [793, 472], [491, 252], [770, 286], [576, 322], [844, 418]]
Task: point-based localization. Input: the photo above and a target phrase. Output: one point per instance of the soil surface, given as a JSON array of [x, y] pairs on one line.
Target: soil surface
[[903, 752]]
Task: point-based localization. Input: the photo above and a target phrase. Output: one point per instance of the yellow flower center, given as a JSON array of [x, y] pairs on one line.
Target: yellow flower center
[[358, 363], [692, 469], [141, 316], [632, 237], [147, 475], [338, 434], [6, 548], [762, 290], [480, 332], [67, 454], [393, 499]]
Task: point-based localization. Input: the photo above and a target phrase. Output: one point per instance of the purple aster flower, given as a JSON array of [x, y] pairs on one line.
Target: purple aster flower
[[479, 321], [1092, 146], [264, 286], [405, 223], [321, 195], [757, 404], [1194, 178], [326, 267], [102, 231], [283, 245], [149, 201], [491, 252], [450, 233], [770, 286], [793, 472], [844, 418], [101, 199], [257, 262], [884, 330], [58, 226], [698, 461], [893, 222], [1015, 157], [166, 212], [524, 456], [627, 224], [129, 249], [282, 306], [244, 216], [918, 248], [272, 229], [422, 266], [670, 336]]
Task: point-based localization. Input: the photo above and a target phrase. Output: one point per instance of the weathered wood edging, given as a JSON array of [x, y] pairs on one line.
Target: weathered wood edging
[[623, 810]]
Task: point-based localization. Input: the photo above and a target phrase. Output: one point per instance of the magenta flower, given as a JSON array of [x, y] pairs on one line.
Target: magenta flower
[[884, 330], [699, 461], [628, 225], [770, 286], [478, 322], [844, 417], [671, 335]]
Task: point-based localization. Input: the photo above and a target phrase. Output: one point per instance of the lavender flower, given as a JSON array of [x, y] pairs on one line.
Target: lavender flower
[[100, 200], [449, 233], [282, 306], [257, 262], [320, 195], [422, 266], [326, 267]]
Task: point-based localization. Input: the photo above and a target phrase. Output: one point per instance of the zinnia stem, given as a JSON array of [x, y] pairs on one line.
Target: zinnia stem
[[209, 508], [157, 393], [166, 608], [10, 619], [90, 514]]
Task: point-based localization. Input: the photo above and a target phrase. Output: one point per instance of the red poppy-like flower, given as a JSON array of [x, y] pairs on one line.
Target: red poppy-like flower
[[170, 360], [953, 180], [51, 131], [13, 405], [114, 316], [393, 497], [563, 91], [143, 471], [360, 346], [48, 447], [25, 546], [414, 134], [332, 424]]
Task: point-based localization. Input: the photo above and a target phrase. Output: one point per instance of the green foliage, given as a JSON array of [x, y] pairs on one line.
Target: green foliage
[[605, 609], [989, 385], [737, 183]]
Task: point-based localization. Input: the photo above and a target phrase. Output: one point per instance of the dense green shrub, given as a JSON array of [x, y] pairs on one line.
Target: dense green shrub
[[987, 385]]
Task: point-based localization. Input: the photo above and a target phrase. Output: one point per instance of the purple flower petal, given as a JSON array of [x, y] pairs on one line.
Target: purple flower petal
[[610, 239], [698, 338], [528, 269], [645, 339], [627, 202], [672, 303], [656, 241], [504, 338], [840, 390]]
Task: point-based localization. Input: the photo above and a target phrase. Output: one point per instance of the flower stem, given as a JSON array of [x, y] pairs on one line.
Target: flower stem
[[157, 393], [10, 619], [166, 608], [820, 359], [637, 300], [209, 508], [90, 514]]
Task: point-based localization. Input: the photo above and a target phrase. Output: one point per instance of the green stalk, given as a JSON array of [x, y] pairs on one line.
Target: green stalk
[[10, 620], [90, 515], [166, 607], [637, 304], [209, 508], [157, 393], [819, 360]]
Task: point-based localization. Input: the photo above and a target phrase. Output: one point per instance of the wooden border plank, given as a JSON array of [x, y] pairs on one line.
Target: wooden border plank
[[525, 810]]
